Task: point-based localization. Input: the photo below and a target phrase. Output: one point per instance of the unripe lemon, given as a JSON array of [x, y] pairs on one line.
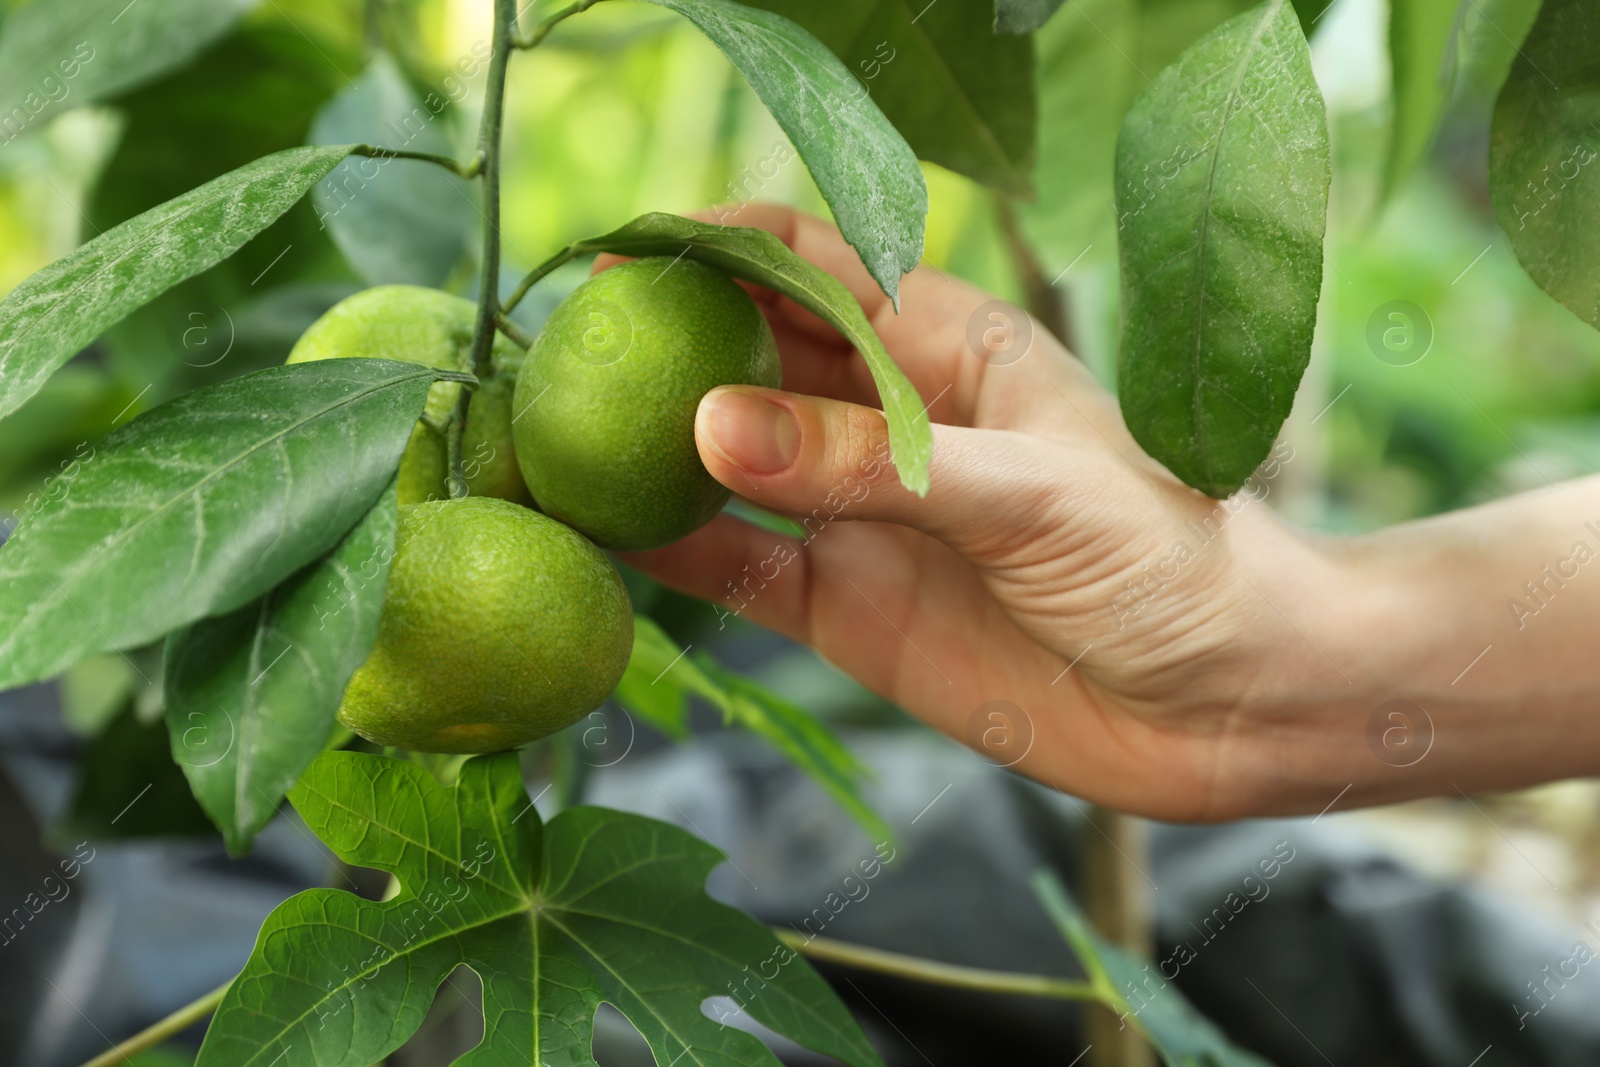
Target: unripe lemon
[[500, 626], [420, 325], [608, 397]]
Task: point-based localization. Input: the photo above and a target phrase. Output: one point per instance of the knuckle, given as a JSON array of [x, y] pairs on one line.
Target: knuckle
[[861, 447]]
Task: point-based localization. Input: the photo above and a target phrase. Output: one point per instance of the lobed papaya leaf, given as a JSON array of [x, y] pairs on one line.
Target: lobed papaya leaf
[[595, 906]]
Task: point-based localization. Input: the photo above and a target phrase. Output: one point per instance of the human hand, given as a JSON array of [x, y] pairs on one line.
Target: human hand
[[1167, 654]]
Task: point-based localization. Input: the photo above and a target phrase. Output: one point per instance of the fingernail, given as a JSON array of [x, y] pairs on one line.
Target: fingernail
[[750, 431]]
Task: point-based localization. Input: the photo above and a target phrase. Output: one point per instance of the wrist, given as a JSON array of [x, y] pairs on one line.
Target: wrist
[[1418, 677]]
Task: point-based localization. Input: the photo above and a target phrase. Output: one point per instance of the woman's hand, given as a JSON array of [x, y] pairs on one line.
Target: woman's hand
[[1150, 648]]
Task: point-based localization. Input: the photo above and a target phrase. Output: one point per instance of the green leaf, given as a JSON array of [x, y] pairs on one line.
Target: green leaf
[[1092, 60], [1222, 198], [1492, 32], [1422, 63], [660, 677], [646, 688], [128, 785], [1182, 1036], [1086, 82], [251, 696], [802, 738], [1023, 16], [1543, 175], [1167, 28], [397, 221], [595, 906], [81, 403], [56, 54], [252, 93], [961, 95], [95, 690], [59, 309], [1311, 12], [201, 505], [760, 257], [863, 167]]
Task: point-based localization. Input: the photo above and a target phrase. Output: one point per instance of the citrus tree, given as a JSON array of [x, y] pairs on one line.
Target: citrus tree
[[390, 546]]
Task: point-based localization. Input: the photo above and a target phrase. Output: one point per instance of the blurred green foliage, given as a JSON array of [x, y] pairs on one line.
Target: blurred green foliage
[[628, 109]]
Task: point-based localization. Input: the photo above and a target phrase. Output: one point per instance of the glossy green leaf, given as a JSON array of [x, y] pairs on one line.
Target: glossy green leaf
[[201, 505], [1023, 16], [397, 221], [1086, 82], [1492, 31], [42, 438], [59, 309], [760, 257], [863, 167], [1222, 198], [661, 676], [597, 906], [1180, 1034], [252, 93], [251, 696], [1092, 59], [58, 54], [960, 94], [1422, 63], [1544, 176]]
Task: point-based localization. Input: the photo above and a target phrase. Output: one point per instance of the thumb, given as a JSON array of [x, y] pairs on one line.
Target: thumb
[[821, 459]]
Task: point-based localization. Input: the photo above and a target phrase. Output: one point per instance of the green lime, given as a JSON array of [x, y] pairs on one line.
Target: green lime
[[420, 325], [609, 392], [500, 626]]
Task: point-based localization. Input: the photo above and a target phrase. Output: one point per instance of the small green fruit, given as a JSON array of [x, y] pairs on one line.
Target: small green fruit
[[609, 394], [500, 626], [420, 325]]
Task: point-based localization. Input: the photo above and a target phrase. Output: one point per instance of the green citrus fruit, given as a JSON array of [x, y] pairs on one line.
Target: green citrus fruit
[[609, 394], [500, 626], [419, 325]]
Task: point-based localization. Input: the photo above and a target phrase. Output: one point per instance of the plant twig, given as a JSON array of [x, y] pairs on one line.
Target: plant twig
[[152, 1036], [541, 28], [1115, 901], [539, 273], [471, 169], [512, 331], [505, 18], [455, 479], [934, 973], [1043, 300]]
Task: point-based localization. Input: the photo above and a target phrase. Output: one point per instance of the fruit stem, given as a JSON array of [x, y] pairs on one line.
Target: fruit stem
[[470, 169], [153, 1035], [494, 101], [538, 274], [935, 973], [456, 478], [542, 28], [513, 331]]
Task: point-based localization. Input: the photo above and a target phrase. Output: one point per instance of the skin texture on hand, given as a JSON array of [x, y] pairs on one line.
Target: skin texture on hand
[[1149, 648]]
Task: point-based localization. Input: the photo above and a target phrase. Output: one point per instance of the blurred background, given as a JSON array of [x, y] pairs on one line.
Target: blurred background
[[1419, 933]]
